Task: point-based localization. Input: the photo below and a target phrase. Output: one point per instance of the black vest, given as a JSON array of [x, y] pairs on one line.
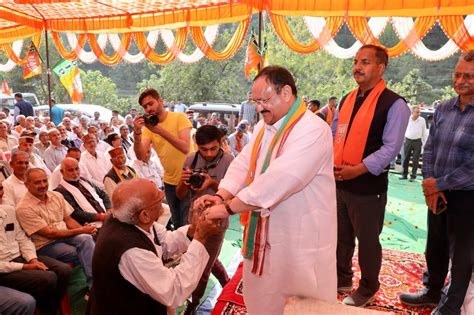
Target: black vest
[[368, 184], [111, 174], [25, 108], [111, 293]]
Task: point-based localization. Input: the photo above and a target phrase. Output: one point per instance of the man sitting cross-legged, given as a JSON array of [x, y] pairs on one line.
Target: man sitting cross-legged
[[89, 201], [46, 218], [21, 269]]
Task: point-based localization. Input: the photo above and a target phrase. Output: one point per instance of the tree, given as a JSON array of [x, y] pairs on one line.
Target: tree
[[412, 86], [101, 90]]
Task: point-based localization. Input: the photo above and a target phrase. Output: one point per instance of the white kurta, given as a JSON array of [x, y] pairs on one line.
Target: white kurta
[[94, 168], [14, 189], [299, 189]]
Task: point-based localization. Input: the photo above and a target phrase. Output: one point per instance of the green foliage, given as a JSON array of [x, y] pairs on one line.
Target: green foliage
[[412, 86], [318, 75], [101, 90]]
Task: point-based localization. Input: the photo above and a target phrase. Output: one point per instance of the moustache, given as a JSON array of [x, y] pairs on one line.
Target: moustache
[[358, 73], [264, 111]]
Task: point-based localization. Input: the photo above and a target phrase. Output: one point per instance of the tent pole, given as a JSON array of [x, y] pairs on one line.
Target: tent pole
[[48, 72], [259, 38]]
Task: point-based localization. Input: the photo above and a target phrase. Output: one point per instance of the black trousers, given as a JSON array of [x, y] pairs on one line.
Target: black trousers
[[411, 148], [360, 216], [47, 287], [451, 235]]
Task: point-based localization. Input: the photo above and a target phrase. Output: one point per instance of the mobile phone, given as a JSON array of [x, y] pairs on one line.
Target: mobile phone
[[441, 206]]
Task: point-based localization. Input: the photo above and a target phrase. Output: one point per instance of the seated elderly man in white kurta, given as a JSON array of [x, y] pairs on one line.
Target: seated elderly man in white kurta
[[283, 183]]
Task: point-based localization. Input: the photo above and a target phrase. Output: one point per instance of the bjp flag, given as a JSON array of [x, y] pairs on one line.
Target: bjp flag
[[252, 57], [32, 66], [70, 77]]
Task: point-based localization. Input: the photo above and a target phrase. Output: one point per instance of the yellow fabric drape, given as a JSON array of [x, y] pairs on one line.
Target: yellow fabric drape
[[457, 31], [281, 27], [8, 49], [360, 28], [232, 46], [63, 51], [169, 55], [113, 59]]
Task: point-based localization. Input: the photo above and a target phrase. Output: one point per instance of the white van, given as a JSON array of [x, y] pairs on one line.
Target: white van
[[86, 109], [9, 100]]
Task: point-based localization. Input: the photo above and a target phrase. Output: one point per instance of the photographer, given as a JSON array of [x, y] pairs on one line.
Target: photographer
[[170, 135], [201, 175]]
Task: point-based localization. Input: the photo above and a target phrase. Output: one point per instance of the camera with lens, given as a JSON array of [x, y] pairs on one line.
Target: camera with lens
[[151, 120], [196, 179]]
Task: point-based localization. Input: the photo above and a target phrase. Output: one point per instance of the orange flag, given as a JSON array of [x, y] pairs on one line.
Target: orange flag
[[32, 66], [5, 89], [252, 58]]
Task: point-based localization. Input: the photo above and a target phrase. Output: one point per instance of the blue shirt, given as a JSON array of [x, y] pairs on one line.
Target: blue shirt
[[57, 113], [449, 152], [392, 138]]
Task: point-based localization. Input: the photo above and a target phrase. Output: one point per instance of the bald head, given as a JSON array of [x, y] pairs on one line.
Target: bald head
[[70, 169], [128, 201]]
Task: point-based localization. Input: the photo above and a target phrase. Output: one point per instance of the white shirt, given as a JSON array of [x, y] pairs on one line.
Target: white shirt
[[37, 161], [152, 170], [169, 286], [54, 155], [102, 147], [95, 168], [8, 144], [14, 189], [13, 243], [416, 129]]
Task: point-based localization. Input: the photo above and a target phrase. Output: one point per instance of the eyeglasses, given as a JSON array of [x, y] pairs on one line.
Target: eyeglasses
[[465, 76], [262, 102]]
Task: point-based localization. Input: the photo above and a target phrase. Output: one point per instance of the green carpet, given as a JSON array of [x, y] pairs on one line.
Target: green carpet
[[404, 229], [405, 217]]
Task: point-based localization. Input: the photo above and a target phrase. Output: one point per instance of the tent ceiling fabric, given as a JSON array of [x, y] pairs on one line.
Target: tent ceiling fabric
[[120, 16]]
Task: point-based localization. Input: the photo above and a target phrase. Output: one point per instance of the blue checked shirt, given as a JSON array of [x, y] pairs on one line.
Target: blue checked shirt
[[449, 152]]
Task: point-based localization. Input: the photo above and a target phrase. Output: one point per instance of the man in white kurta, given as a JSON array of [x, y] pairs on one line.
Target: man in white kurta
[[298, 194], [95, 163]]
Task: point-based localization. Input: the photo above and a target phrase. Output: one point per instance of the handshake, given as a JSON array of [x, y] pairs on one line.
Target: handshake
[[203, 228]]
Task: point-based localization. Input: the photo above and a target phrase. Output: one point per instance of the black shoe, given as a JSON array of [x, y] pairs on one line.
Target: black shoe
[[403, 177], [420, 298]]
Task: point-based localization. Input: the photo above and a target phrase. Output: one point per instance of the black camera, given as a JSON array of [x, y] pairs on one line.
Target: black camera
[[151, 120], [196, 179]]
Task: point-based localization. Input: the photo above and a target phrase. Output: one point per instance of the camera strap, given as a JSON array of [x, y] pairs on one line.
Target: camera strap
[[207, 167]]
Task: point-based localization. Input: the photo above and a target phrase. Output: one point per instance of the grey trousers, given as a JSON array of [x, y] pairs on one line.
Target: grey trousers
[[360, 216]]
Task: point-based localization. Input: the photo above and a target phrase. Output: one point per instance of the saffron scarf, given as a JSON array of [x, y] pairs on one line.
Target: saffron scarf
[[349, 146], [238, 142], [256, 226]]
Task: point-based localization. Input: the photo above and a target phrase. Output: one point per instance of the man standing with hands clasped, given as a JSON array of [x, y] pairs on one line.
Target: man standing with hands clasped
[[284, 184], [448, 185], [369, 128]]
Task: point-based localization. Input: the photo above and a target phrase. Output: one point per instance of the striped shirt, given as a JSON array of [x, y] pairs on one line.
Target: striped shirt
[[449, 151]]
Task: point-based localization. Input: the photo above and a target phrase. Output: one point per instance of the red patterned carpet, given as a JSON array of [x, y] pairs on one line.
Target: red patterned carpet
[[401, 272]]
